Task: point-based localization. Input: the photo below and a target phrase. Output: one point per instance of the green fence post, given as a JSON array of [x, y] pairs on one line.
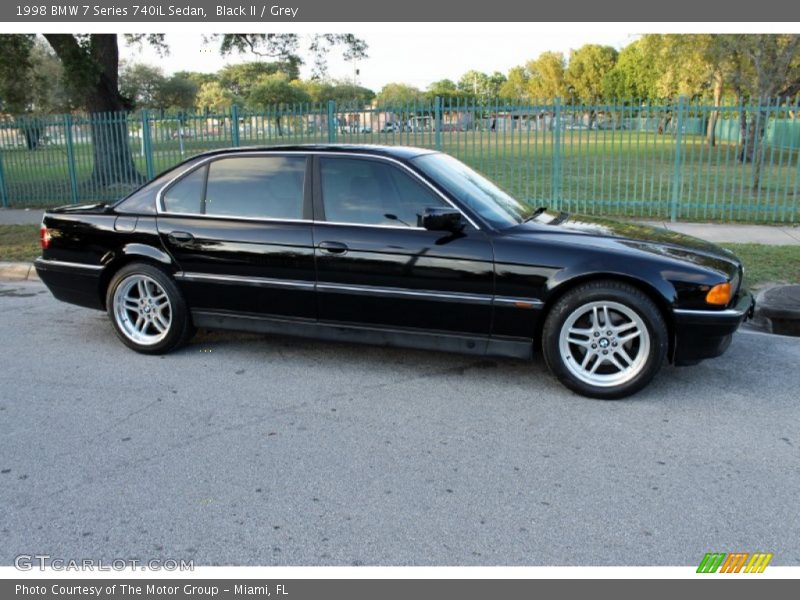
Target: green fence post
[[555, 184], [677, 173], [437, 118], [3, 188], [73, 175], [234, 125], [331, 123], [147, 145]]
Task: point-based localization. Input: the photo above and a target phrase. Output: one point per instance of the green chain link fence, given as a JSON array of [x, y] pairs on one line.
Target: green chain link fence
[[623, 159]]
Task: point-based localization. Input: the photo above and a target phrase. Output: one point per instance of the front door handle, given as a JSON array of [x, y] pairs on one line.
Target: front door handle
[[333, 247], [180, 238]]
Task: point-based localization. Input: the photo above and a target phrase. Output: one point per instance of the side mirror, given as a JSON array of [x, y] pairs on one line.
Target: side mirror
[[442, 219]]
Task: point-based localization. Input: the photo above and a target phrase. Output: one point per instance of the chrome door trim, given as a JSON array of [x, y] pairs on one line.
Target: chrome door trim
[[44, 263], [267, 282], [364, 290]]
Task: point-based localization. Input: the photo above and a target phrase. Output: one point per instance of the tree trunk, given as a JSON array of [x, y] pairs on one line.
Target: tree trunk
[[711, 132], [664, 123], [755, 141], [742, 129], [94, 70], [32, 129]]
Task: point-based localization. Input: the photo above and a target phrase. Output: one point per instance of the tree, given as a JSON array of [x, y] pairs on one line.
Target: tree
[[766, 67], [274, 91], [399, 94], [31, 85], [213, 97], [141, 84], [481, 86], [91, 70], [587, 69], [446, 89], [239, 79], [178, 92], [634, 76], [517, 84], [546, 76]]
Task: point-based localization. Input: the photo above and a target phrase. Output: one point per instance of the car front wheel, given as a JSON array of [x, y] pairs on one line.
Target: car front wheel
[[147, 309], [605, 339]]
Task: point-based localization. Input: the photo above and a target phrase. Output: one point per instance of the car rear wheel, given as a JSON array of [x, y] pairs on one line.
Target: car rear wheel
[[605, 339], [147, 309]]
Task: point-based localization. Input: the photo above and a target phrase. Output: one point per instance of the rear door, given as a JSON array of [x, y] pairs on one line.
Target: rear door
[[239, 226], [377, 266]]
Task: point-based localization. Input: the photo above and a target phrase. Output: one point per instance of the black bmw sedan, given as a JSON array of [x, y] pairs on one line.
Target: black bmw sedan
[[392, 246]]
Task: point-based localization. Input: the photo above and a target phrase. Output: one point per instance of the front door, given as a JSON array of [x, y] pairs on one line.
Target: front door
[[239, 227], [377, 266]]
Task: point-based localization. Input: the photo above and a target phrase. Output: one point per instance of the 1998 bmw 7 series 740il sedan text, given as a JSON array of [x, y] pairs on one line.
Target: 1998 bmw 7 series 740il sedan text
[[394, 246]]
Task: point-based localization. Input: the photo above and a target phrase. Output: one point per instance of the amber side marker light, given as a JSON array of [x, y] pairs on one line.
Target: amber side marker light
[[720, 294]]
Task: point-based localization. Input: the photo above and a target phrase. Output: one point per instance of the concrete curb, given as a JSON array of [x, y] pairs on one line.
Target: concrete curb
[[18, 271], [778, 309]]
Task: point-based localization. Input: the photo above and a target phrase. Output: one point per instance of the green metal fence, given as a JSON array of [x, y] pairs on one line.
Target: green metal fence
[[624, 159]]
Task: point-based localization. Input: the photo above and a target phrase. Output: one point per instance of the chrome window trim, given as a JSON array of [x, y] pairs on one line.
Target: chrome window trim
[[46, 262], [161, 209], [366, 290]]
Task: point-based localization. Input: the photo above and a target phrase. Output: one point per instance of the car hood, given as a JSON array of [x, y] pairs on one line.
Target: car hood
[[654, 240]]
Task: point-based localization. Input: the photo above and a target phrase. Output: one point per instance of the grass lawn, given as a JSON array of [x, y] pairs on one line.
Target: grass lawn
[[762, 263], [19, 242]]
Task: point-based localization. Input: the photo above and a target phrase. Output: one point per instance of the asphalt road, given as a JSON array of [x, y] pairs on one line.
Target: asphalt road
[[245, 449]]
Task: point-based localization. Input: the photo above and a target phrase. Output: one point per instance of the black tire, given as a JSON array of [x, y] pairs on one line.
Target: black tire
[[179, 329], [625, 302]]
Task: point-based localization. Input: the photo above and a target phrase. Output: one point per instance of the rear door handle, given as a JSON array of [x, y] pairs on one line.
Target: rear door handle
[[180, 238], [333, 247]]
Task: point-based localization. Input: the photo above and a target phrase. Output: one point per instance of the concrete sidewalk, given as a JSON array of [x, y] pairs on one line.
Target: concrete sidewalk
[[774, 235]]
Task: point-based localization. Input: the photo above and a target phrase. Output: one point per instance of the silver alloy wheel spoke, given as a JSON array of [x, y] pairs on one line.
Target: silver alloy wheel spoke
[[142, 309], [604, 343]]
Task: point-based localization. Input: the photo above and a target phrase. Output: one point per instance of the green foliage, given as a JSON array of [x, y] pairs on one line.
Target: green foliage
[[275, 89], [481, 86], [547, 76], [516, 85], [587, 70], [141, 84], [213, 97], [344, 93], [240, 79], [31, 77], [634, 76], [399, 94], [446, 89]]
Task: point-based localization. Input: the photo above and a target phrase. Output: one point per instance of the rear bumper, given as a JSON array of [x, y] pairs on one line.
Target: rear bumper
[[701, 334], [76, 283]]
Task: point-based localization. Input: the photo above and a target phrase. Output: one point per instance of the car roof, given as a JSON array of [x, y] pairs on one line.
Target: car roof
[[402, 152]]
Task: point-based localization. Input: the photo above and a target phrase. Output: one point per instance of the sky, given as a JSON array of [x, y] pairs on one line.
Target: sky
[[409, 56]]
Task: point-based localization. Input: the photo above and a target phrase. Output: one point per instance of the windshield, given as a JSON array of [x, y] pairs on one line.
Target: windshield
[[474, 190]]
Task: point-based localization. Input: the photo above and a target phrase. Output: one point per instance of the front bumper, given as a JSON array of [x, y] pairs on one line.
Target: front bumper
[[701, 334], [76, 283]]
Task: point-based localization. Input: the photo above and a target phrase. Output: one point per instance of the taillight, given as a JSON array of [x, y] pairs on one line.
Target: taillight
[[44, 237]]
